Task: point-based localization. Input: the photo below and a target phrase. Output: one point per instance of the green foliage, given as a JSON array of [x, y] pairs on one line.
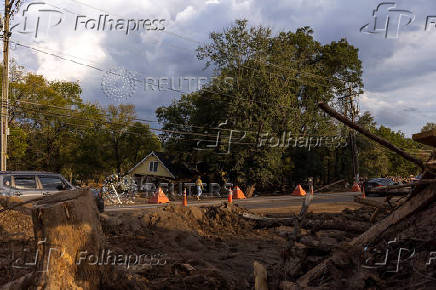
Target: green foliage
[[53, 129], [278, 81]]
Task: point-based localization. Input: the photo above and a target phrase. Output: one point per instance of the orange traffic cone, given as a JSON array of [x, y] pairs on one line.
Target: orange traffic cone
[[238, 194], [363, 192], [355, 188], [185, 200], [159, 197], [229, 197], [299, 191]]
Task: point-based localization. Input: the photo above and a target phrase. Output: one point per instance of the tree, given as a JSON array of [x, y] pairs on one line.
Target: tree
[[277, 82]]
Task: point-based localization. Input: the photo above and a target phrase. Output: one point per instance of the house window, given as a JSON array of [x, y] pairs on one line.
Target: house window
[[153, 166]]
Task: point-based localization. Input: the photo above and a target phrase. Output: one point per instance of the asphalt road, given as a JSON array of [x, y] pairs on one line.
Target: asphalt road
[[252, 203]]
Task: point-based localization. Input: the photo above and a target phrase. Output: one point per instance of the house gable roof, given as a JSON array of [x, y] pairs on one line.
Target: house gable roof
[[161, 160]]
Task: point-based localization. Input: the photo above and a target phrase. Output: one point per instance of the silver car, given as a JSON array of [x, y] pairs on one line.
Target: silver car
[[31, 184]]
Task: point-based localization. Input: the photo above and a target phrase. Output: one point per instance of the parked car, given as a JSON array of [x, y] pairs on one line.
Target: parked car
[[29, 185], [371, 185]]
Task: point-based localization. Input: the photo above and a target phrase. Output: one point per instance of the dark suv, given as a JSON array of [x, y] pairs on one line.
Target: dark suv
[[32, 184]]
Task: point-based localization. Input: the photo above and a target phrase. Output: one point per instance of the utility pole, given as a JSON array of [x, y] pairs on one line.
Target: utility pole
[[350, 111], [4, 131], [354, 150]]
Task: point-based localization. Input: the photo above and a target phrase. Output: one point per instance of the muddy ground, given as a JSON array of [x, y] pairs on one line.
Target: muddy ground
[[215, 247]]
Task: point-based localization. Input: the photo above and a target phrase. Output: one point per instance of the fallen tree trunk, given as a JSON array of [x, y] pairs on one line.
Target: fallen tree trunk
[[329, 185], [69, 239], [326, 108]]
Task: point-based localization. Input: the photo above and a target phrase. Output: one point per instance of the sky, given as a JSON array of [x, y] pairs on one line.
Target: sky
[[63, 40]]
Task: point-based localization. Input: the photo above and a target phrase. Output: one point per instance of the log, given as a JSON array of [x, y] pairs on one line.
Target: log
[[328, 185], [260, 276], [326, 108], [20, 283], [417, 202], [369, 202], [69, 238]]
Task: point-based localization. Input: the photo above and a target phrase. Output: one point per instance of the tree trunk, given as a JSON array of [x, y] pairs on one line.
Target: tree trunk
[[250, 190], [69, 238]]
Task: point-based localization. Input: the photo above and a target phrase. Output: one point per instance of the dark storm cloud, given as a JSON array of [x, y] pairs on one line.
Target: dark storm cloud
[[396, 71]]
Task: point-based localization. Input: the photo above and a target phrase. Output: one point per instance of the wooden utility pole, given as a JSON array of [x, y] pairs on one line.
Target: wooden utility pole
[[5, 88], [354, 150], [351, 112]]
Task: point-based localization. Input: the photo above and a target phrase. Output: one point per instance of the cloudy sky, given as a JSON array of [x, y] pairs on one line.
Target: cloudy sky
[[399, 70]]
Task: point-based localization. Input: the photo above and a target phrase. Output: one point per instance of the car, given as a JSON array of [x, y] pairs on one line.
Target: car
[[370, 186], [28, 185]]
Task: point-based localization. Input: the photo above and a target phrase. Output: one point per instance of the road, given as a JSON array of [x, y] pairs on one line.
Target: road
[[252, 203]]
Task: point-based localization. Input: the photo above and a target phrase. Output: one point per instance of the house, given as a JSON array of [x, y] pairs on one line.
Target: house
[[154, 168]]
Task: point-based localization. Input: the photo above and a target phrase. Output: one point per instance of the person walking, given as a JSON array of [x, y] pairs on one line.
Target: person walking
[[199, 185]]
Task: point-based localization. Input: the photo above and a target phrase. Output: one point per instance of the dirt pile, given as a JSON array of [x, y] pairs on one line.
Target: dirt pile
[[194, 248]]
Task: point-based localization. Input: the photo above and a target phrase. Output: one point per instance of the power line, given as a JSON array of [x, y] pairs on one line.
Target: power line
[[198, 42], [116, 124]]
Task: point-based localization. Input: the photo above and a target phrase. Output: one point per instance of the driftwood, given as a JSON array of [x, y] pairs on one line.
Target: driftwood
[[421, 197], [369, 202], [68, 233], [21, 283], [416, 203], [260, 276], [329, 185], [20, 204], [326, 108]]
